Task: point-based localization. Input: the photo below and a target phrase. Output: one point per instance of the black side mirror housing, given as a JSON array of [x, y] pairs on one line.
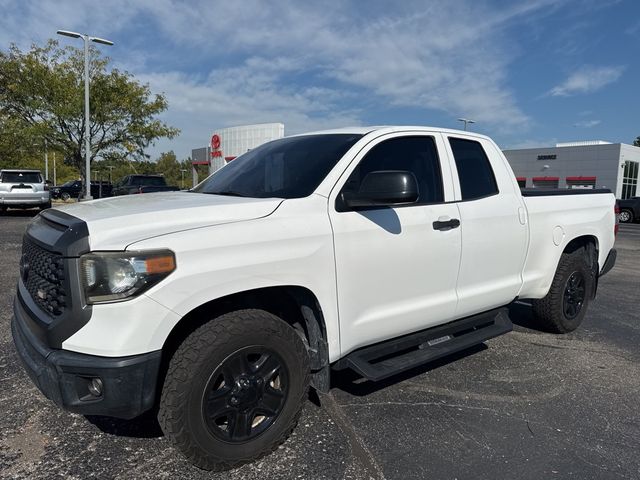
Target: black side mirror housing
[[383, 188]]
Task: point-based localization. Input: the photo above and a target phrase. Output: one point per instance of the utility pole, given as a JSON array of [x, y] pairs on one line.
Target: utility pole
[[55, 181]]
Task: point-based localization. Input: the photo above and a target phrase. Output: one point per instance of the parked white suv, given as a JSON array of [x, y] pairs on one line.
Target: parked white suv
[[375, 249], [23, 189]]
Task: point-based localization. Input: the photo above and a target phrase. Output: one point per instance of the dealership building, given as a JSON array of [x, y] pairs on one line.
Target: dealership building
[[228, 143], [591, 164]]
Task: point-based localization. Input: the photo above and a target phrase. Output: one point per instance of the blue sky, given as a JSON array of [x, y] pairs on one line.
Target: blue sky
[[530, 73]]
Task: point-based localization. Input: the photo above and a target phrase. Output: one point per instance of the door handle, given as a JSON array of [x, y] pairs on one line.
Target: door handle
[[446, 224]]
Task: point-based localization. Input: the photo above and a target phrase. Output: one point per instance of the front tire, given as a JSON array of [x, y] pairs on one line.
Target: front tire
[[65, 196], [625, 216], [564, 307], [234, 389]]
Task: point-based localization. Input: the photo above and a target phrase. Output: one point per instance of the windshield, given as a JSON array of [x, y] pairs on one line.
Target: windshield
[[21, 177], [286, 168], [70, 183]]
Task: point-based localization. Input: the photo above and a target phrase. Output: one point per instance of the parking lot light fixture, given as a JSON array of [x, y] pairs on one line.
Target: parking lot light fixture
[[466, 121], [87, 127]]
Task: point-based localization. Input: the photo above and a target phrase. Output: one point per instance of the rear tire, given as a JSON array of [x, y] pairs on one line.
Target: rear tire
[[234, 389], [564, 307], [625, 216]]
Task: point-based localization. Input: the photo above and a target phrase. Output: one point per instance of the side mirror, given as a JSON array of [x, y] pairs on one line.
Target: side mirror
[[384, 188]]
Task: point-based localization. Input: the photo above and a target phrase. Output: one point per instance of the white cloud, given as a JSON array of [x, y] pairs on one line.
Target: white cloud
[[587, 123], [634, 29], [529, 143], [588, 79], [222, 63]]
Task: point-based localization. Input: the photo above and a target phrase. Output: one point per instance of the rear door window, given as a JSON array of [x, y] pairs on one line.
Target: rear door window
[[474, 169]]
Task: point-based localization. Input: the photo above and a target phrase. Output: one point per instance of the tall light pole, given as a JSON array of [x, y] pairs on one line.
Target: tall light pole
[[46, 159], [465, 121], [110, 167], [87, 129], [182, 170]]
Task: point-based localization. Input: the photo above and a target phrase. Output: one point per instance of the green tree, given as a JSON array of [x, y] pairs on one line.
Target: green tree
[[636, 142], [42, 97]]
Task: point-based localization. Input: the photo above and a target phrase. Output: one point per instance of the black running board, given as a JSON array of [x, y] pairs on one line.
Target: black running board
[[391, 357]]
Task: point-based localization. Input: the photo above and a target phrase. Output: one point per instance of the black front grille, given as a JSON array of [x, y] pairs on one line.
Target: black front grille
[[43, 274]]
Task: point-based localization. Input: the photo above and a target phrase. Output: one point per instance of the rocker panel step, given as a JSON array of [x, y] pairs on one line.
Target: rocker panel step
[[382, 360]]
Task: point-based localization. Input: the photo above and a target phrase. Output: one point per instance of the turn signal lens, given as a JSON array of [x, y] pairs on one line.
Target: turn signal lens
[[160, 264]]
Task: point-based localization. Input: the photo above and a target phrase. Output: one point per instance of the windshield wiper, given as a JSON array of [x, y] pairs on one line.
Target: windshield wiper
[[228, 193]]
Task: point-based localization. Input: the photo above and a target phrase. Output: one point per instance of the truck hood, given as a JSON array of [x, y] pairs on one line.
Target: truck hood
[[116, 222]]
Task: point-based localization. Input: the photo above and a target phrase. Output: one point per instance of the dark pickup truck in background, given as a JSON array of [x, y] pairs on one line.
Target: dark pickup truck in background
[[132, 184], [629, 210]]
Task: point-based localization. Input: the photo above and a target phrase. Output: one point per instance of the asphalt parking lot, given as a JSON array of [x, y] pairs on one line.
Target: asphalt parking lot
[[526, 405]]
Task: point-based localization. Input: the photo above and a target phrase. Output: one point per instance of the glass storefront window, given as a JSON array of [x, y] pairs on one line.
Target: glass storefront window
[[630, 179]]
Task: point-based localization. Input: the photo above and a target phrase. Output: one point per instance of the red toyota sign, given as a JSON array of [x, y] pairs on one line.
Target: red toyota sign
[[215, 141]]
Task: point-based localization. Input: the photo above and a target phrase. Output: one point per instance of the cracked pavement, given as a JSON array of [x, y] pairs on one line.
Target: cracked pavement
[[525, 405]]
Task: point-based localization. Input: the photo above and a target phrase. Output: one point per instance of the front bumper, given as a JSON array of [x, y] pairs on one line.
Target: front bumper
[[128, 383]]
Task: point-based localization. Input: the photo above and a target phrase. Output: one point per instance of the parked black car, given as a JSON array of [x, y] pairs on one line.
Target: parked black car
[[132, 184], [74, 189], [629, 210]]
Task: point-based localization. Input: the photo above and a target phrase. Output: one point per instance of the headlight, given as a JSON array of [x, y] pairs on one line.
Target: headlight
[[113, 276]]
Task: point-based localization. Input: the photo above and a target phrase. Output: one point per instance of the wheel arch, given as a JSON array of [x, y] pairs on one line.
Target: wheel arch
[[586, 241], [591, 245], [296, 305]]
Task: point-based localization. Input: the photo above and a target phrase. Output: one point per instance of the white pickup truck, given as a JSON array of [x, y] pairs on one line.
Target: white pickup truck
[[375, 249]]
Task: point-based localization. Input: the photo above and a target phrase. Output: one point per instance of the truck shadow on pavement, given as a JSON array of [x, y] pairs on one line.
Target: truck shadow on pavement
[[144, 426], [520, 314]]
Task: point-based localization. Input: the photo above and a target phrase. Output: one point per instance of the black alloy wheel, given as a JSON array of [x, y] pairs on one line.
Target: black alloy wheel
[[565, 305], [574, 295], [625, 216], [234, 389], [245, 394]]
